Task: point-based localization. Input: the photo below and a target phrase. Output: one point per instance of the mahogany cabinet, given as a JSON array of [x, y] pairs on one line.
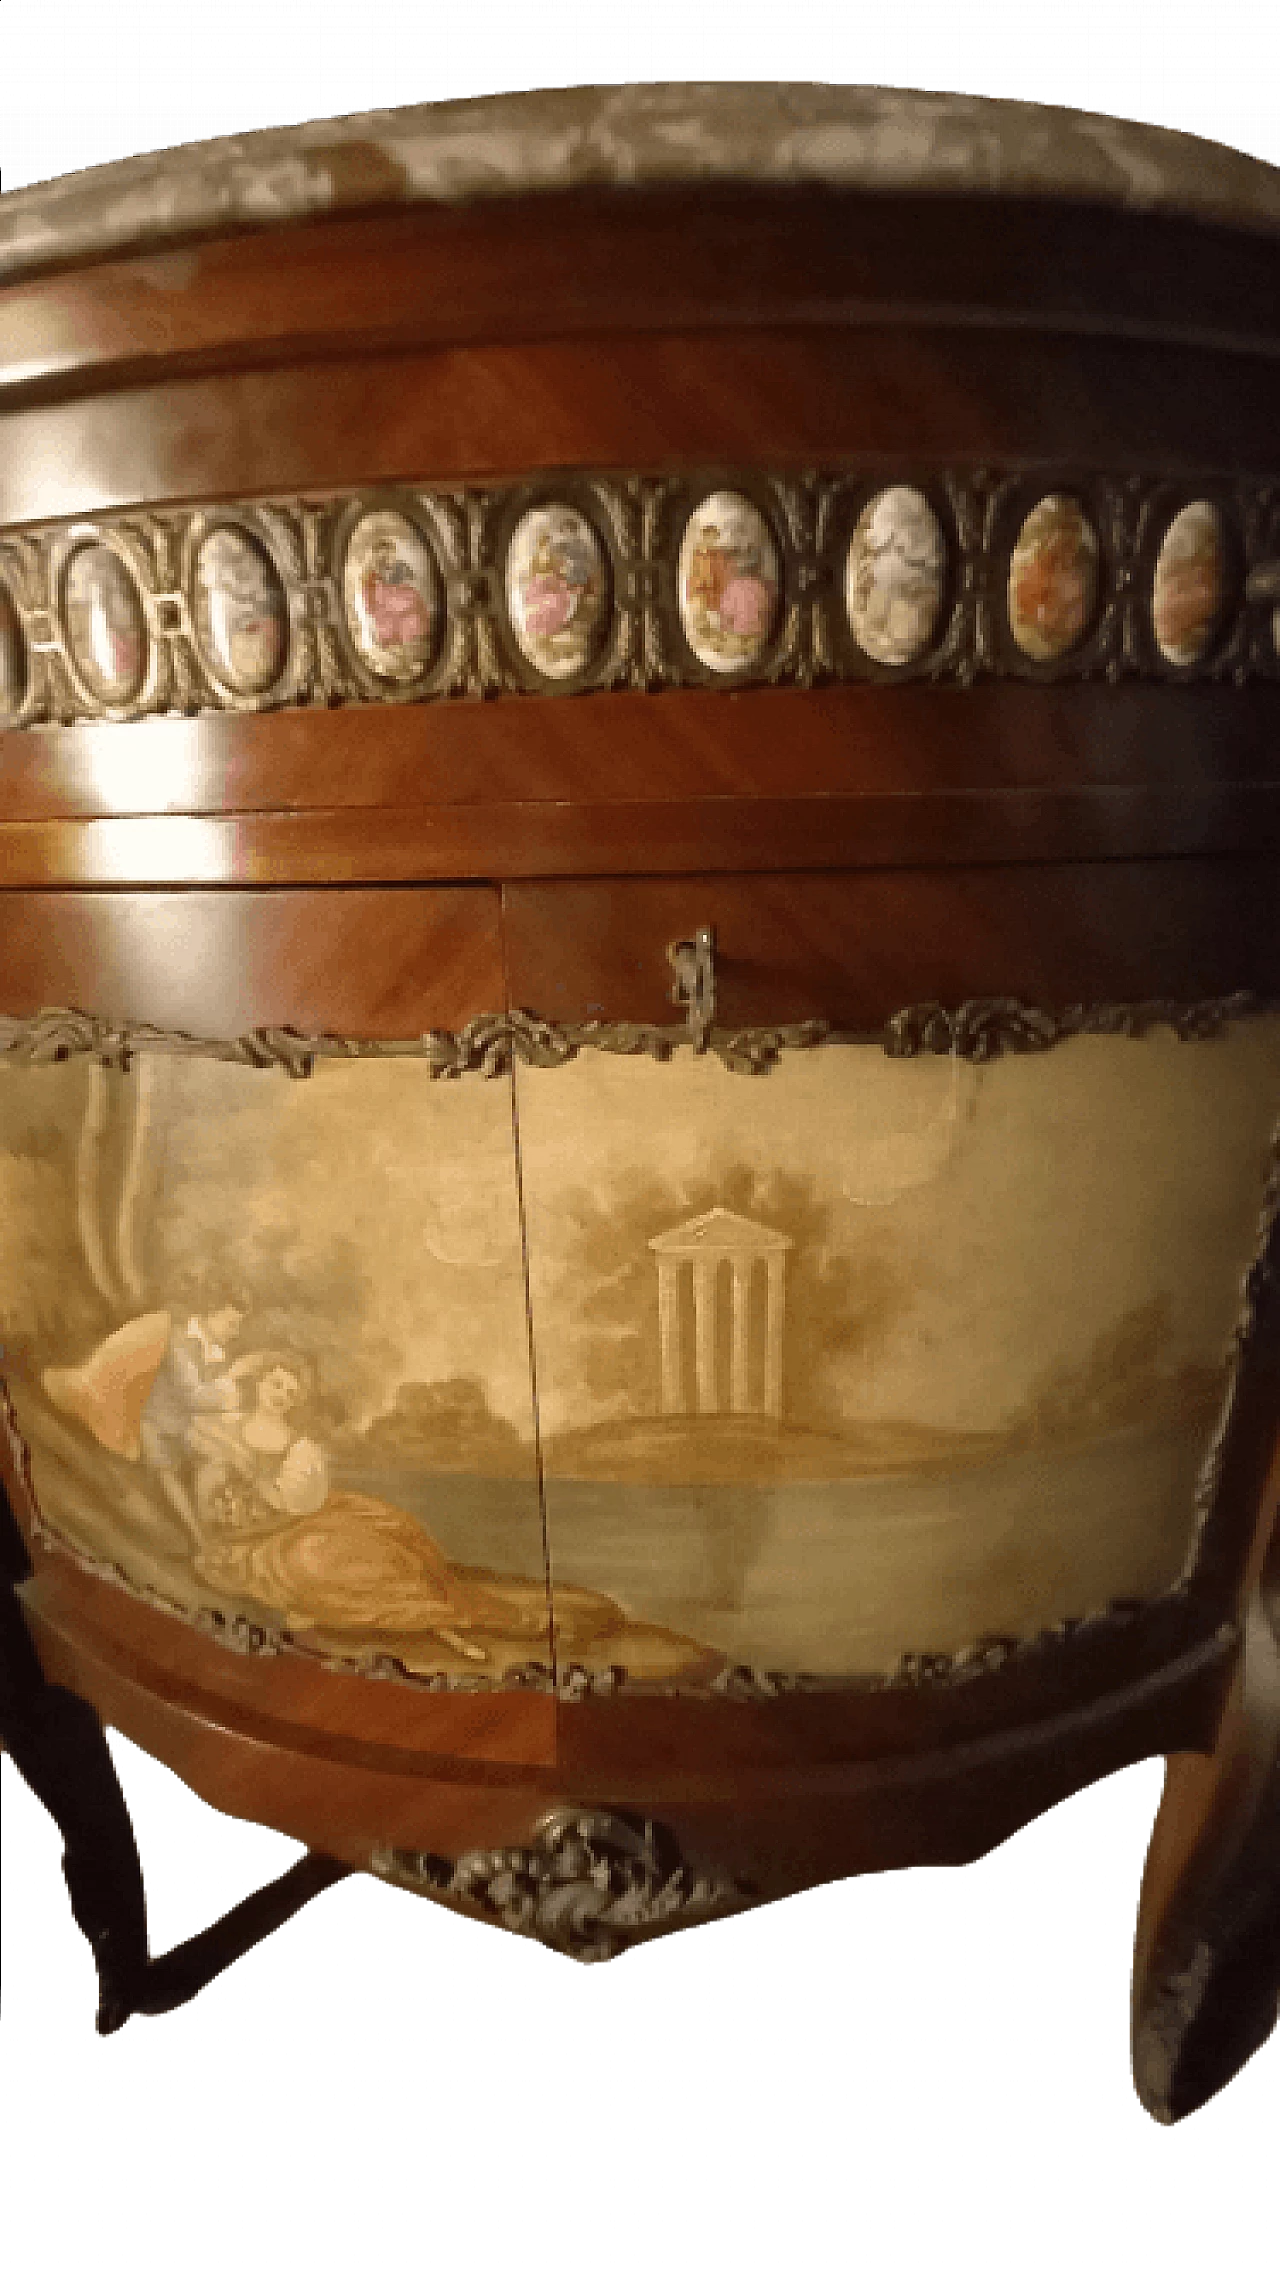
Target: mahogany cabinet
[[640, 1009]]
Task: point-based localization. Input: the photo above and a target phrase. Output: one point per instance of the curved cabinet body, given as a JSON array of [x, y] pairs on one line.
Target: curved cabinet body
[[640, 1033], [873, 1362]]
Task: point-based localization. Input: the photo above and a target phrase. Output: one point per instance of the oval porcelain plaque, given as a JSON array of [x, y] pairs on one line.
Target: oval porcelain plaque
[[103, 624], [391, 594], [893, 576], [242, 615], [730, 582], [1053, 579], [13, 657], [1188, 589], [556, 583]]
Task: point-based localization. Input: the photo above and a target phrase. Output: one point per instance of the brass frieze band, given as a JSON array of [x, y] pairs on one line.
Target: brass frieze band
[[575, 582]]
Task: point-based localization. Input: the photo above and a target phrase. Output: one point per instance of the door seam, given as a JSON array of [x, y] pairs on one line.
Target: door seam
[[522, 1213]]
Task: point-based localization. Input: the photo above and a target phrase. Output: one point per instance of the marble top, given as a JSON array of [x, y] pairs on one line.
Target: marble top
[[871, 138]]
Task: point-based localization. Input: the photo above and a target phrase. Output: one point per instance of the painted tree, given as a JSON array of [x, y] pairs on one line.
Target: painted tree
[[73, 1142]]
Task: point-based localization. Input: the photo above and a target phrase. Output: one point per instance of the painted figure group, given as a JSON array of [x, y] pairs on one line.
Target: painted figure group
[[222, 1438], [254, 1492], [396, 609], [729, 599]]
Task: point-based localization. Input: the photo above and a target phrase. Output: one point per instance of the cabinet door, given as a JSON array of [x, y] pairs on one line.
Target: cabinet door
[[899, 1340], [908, 1341], [264, 1316]]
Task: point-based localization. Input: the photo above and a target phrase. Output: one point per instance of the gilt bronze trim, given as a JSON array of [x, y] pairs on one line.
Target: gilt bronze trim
[[590, 1885], [454, 628], [977, 1032]]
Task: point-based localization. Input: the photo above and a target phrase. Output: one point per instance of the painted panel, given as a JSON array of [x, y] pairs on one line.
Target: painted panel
[[730, 580], [241, 610], [267, 1344], [556, 582], [391, 595], [894, 575], [873, 1356], [1053, 579], [105, 628], [1189, 585]]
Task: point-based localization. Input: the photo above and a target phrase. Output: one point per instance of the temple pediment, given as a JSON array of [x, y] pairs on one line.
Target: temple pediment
[[720, 1230]]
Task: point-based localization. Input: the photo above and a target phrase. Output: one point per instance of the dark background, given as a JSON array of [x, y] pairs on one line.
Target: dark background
[[82, 85]]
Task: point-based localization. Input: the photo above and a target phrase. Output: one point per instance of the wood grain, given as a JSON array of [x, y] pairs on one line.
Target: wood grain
[[218, 963], [638, 750]]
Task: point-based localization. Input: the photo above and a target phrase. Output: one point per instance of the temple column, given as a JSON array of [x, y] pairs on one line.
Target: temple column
[[773, 1337], [670, 1344], [740, 1374], [704, 1331]]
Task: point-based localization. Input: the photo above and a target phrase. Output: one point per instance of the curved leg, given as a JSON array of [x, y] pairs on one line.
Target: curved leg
[[58, 1747], [181, 1973], [1207, 1968], [57, 1744]]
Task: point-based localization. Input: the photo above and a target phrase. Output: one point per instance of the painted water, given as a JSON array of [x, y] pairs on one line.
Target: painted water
[[837, 1577]]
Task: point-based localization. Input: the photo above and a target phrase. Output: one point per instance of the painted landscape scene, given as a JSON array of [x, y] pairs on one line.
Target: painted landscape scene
[[860, 1359], [267, 1346], [885, 1357]]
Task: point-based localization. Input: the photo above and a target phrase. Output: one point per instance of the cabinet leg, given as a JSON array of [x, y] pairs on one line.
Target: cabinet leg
[[59, 1748], [1207, 1966]]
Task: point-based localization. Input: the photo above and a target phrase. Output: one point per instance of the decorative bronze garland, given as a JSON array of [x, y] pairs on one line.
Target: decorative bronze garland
[[169, 583], [978, 1032]]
